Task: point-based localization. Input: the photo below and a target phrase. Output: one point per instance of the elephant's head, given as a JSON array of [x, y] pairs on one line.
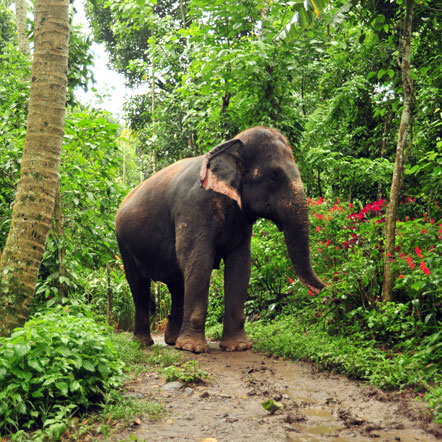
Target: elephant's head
[[258, 171]]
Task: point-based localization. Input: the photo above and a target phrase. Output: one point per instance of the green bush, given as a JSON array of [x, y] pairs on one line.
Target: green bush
[[58, 363]]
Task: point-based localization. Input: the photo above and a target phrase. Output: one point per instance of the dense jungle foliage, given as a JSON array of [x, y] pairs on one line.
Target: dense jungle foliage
[[330, 81]]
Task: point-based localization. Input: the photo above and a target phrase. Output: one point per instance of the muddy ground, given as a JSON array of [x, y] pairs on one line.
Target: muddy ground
[[318, 406]]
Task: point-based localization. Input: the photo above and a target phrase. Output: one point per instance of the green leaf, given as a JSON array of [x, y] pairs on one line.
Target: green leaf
[[21, 349], [271, 406], [75, 385], [381, 73], [88, 365], [104, 370], [63, 387], [37, 393]]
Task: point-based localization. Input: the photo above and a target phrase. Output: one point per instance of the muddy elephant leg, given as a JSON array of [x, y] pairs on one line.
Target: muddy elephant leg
[[140, 288], [197, 270], [236, 281], [175, 319]]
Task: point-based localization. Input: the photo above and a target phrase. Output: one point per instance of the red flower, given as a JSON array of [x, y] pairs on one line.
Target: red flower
[[423, 231], [401, 276], [319, 250], [410, 263], [424, 268], [418, 252], [318, 229], [291, 280], [327, 243], [311, 293]]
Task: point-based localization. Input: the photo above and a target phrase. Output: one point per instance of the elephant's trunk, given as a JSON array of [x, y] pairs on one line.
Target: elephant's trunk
[[295, 226]]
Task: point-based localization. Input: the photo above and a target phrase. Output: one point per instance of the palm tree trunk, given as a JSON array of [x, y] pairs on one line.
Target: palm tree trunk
[[34, 203], [20, 19], [404, 132]]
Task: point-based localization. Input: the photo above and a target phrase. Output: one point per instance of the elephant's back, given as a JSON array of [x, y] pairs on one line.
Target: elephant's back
[[147, 209], [156, 186]]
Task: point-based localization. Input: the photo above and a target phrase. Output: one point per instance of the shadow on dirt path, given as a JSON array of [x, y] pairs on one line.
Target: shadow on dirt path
[[318, 406]]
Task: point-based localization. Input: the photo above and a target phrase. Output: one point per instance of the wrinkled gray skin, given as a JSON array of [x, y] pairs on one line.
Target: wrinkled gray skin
[[178, 225]]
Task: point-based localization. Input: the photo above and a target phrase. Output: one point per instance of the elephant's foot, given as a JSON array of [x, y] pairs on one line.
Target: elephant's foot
[[145, 340], [197, 344], [173, 330], [239, 342]]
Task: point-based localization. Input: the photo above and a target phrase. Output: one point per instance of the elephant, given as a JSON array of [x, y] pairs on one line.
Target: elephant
[[179, 224]]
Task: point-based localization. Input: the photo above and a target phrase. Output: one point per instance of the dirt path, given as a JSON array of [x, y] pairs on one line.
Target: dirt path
[[318, 406]]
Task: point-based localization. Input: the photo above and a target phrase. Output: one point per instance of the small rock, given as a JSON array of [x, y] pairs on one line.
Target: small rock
[[188, 391], [171, 386], [291, 419], [134, 395], [204, 395]]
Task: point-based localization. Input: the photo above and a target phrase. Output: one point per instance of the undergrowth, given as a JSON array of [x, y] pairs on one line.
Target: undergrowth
[[58, 364], [63, 373]]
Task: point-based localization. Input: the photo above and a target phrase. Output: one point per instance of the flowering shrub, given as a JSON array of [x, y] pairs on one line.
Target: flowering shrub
[[347, 248]]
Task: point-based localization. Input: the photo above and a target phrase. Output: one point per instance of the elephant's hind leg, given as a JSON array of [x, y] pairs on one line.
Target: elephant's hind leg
[[175, 318], [140, 288]]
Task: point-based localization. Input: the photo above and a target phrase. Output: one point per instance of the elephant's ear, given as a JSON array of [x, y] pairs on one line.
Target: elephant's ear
[[221, 170]]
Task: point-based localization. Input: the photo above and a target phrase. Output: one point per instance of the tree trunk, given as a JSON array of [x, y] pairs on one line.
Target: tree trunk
[[384, 146], [404, 132], [59, 232], [34, 202], [183, 14], [153, 85], [22, 34]]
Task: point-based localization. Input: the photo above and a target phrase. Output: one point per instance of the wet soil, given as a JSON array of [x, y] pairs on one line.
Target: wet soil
[[317, 406]]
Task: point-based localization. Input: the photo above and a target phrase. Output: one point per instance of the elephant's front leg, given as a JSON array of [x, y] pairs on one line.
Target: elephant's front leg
[[197, 271], [236, 281]]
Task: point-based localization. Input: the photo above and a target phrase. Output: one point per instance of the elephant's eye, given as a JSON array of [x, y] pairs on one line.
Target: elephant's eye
[[273, 177]]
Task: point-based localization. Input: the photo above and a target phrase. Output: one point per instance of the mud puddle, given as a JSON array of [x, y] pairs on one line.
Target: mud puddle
[[318, 406]]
